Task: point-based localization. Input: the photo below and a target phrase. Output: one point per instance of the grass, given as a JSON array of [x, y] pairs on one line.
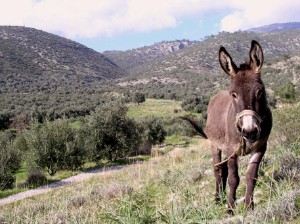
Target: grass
[[155, 107], [22, 173], [159, 193], [175, 188]]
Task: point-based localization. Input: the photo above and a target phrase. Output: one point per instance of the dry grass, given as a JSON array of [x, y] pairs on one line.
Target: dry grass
[[177, 187]]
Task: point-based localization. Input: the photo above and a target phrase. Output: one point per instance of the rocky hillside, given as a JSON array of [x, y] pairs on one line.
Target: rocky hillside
[[32, 57], [195, 70], [202, 57], [277, 27], [133, 58], [278, 40]]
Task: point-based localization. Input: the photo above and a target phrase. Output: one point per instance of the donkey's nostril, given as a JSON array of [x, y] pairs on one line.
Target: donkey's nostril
[[250, 135]]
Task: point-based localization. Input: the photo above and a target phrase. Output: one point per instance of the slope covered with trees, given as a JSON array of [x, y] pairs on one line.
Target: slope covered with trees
[[35, 59]]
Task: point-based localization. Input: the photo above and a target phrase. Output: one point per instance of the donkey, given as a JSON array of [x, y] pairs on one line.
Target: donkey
[[239, 122]]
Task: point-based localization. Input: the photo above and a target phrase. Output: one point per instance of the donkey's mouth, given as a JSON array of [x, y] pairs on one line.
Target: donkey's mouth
[[251, 137], [250, 140]]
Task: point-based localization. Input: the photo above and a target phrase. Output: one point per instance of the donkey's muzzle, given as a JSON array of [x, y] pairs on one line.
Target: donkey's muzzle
[[251, 135], [248, 124]]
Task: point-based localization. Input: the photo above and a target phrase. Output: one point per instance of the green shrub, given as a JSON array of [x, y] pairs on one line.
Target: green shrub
[[36, 177], [153, 130], [10, 161], [197, 104], [56, 146], [287, 92], [286, 125], [138, 98], [112, 134]]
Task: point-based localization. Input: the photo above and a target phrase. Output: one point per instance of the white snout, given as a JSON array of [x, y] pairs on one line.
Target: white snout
[[249, 123], [250, 128]]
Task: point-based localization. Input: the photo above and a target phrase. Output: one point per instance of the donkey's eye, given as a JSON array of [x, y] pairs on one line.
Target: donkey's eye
[[234, 95], [258, 94]]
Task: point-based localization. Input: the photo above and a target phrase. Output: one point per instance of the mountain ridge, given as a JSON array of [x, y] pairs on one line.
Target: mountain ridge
[[276, 27], [135, 58], [34, 56]]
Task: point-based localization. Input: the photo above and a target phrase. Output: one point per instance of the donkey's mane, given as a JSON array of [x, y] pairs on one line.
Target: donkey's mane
[[244, 66]]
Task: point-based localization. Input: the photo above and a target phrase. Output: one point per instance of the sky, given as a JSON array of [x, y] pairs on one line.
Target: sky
[[127, 24]]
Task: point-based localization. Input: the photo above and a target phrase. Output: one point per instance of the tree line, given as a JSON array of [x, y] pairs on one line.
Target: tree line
[[107, 134]]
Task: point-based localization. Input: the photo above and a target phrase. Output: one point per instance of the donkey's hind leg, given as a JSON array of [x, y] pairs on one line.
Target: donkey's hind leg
[[221, 174]]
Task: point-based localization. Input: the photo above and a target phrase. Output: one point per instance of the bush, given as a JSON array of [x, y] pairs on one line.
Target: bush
[[153, 131], [112, 135], [286, 127], [10, 161], [178, 126], [56, 145], [138, 98], [5, 120], [36, 177], [287, 92], [197, 104]]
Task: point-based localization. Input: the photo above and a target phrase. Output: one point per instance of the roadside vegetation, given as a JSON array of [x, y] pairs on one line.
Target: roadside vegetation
[[175, 186]]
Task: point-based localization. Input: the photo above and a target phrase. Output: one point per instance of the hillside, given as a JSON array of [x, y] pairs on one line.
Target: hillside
[[132, 58], [195, 71], [191, 51], [52, 75], [30, 57], [277, 27], [203, 56]]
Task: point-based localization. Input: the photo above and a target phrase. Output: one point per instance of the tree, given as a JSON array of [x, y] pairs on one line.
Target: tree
[[10, 160], [287, 92], [139, 98], [195, 103], [56, 145], [112, 134], [153, 131]]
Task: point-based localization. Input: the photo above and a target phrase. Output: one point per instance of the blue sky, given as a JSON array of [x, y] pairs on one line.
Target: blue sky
[[192, 29], [127, 24]]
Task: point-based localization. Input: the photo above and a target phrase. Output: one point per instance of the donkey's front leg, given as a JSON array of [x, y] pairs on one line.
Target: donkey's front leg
[[251, 176], [233, 181], [221, 174]]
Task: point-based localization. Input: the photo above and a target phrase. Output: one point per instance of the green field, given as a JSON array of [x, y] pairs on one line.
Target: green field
[[156, 108]]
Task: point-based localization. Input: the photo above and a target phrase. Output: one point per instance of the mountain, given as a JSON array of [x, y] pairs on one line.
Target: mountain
[[195, 70], [278, 40], [277, 27], [44, 73], [130, 59], [202, 57], [31, 57]]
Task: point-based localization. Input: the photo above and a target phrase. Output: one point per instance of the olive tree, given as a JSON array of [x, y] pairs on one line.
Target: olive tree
[[112, 134], [10, 160], [56, 145]]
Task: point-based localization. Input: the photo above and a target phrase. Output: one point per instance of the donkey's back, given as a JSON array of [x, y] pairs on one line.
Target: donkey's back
[[217, 111]]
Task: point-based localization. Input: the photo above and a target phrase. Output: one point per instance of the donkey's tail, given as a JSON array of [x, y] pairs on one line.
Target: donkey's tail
[[195, 125]]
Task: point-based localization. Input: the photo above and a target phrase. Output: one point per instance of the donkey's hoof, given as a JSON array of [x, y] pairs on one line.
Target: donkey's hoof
[[230, 212]]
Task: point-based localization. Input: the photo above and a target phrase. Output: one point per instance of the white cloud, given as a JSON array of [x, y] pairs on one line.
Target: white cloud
[[91, 18], [248, 14]]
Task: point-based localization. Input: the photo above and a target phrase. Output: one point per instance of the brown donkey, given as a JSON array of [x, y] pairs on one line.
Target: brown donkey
[[238, 123]]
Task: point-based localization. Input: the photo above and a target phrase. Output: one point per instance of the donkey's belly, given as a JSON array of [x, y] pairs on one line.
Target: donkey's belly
[[217, 114]]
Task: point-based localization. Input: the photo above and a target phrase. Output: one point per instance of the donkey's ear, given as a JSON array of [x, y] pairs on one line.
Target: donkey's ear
[[256, 57], [226, 62]]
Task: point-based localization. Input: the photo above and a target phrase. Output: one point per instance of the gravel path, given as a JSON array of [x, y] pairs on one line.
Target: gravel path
[[71, 180], [68, 181]]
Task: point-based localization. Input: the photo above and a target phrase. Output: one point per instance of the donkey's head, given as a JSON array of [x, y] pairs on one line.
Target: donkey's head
[[247, 91]]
